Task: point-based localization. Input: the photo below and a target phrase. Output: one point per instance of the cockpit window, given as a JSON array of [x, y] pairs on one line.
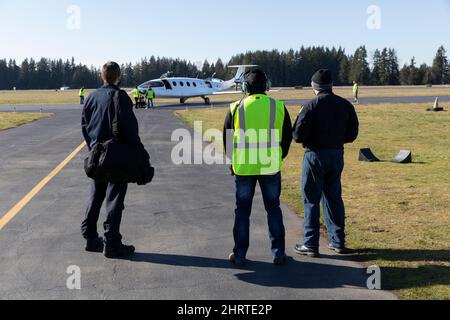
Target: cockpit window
[[156, 84]]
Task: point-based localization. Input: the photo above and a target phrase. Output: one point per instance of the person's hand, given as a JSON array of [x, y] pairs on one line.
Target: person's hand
[[232, 171]]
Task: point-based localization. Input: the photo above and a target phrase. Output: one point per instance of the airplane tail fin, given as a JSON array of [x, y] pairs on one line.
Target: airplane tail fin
[[241, 69]]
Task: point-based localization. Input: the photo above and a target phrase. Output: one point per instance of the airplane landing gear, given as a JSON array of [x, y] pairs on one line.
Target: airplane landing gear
[[207, 100]]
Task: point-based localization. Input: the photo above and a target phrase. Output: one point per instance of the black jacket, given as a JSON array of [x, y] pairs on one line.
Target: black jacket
[[98, 116], [327, 122], [229, 127]]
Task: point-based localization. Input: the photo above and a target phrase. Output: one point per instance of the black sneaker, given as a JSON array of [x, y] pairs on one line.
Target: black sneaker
[[280, 261], [238, 262], [120, 252], [304, 251], [95, 245], [341, 251]]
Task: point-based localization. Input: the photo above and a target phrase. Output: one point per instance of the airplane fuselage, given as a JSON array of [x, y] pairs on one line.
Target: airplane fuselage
[[184, 87]]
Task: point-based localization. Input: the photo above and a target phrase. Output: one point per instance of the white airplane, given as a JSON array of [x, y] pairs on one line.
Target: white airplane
[[185, 88]]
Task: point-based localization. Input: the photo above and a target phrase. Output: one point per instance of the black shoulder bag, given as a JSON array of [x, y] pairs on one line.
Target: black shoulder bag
[[116, 162]]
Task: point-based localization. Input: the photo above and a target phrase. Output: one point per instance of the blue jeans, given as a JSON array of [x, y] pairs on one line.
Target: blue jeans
[[322, 172], [271, 191]]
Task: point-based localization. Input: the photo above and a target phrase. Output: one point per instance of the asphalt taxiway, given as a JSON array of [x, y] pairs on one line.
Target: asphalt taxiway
[[181, 225]]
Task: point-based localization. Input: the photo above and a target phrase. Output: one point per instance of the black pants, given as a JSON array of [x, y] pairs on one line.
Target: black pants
[[115, 197]]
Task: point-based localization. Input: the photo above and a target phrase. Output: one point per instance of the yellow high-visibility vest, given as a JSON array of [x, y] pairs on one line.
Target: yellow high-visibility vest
[[150, 94], [258, 130], [136, 93], [82, 94]]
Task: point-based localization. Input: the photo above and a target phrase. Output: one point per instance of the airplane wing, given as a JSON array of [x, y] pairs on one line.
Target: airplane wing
[[221, 93]]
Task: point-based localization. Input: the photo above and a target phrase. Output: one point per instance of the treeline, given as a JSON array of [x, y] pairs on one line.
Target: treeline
[[53, 74], [46, 74], [286, 68], [293, 68], [154, 68]]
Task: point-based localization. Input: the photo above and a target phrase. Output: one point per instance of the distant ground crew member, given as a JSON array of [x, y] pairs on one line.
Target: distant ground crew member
[[356, 91], [136, 96], [97, 125], [82, 95], [150, 97], [258, 132], [323, 126]]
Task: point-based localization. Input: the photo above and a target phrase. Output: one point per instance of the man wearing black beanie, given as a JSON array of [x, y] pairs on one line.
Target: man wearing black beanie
[[323, 126]]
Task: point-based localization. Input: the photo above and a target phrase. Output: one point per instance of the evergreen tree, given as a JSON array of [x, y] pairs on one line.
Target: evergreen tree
[[377, 68], [441, 69], [359, 67], [393, 72]]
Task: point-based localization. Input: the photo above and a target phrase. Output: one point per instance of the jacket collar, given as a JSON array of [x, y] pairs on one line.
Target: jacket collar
[[323, 93], [108, 85], [256, 95]]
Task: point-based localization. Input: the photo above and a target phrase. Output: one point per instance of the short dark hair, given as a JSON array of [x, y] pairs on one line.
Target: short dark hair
[[111, 72], [257, 80]]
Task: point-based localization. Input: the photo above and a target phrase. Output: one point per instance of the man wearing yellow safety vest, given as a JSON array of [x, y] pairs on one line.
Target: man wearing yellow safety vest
[[150, 97], [356, 91], [136, 95], [82, 95], [258, 133]]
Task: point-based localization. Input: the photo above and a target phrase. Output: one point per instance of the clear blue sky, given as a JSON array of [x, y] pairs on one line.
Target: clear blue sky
[[198, 29]]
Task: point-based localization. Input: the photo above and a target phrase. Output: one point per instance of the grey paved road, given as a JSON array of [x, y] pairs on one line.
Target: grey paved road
[[181, 225]]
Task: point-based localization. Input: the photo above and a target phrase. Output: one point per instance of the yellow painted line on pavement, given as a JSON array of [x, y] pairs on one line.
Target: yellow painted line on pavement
[[41, 185]]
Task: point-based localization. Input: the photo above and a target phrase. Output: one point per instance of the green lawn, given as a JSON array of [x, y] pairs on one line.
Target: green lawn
[[10, 120], [398, 216]]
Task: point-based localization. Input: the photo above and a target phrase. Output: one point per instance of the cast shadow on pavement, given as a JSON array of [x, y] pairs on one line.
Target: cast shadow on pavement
[[296, 274]]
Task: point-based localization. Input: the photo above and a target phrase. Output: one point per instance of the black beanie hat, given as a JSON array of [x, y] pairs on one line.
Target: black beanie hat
[[256, 79], [322, 80]]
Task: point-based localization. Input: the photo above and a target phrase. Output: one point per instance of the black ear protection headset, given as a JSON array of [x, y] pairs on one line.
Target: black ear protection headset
[[246, 86]]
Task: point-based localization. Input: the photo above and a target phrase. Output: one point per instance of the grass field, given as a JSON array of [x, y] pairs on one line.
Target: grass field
[[10, 120], [398, 216], [48, 97]]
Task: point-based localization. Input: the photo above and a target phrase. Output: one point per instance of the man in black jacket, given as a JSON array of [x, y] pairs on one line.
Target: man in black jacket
[[323, 126], [97, 119]]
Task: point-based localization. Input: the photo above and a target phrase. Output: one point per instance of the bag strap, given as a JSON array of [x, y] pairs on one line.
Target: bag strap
[[115, 124]]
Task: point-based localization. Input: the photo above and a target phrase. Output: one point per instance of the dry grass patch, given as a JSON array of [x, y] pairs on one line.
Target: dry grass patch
[[10, 120]]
